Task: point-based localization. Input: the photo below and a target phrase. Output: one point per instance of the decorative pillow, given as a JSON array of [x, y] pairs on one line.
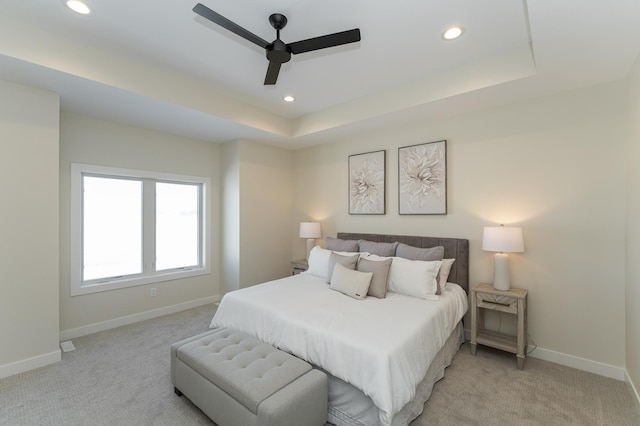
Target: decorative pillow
[[380, 270], [351, 253], [445, 268], [348, 262], [417, 253], [341, 245], [415, 278], [319, 262], [375, 257], [350, 282], [381, 249]]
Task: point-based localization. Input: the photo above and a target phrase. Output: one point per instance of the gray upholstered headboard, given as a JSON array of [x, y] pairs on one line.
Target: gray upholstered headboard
[[453, 248]]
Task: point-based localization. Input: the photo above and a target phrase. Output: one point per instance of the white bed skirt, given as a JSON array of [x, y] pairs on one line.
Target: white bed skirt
[[349, 406]]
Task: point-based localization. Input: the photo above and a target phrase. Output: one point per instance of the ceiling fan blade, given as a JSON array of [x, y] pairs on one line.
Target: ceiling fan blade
[[329, 40], [216, 18], [272, 73]]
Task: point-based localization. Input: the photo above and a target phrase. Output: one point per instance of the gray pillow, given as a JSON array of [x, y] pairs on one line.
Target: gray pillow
[[341, 245], [348, 262], [381, 249], [380, 269], [417, 253]]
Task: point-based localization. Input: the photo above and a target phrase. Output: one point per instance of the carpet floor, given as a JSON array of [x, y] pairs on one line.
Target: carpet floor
[[121, 377]]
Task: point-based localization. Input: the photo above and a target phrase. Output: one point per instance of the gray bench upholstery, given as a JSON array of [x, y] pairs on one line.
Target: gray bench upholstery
[[237, 380]]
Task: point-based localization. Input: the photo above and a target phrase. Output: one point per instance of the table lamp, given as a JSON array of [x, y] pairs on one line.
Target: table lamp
[[502, 239], [310, 231]]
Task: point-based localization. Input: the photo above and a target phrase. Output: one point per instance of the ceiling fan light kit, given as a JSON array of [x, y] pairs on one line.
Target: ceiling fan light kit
[[279, 52]]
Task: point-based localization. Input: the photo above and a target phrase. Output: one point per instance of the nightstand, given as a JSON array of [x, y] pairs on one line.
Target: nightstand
[[298, 266], [512, 301]]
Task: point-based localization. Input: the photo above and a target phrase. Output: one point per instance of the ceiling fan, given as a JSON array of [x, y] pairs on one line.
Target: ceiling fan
[[277, 51]]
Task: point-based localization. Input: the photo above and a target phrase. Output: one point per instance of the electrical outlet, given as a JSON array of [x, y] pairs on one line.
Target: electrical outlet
[[67, 346], [154, 292]]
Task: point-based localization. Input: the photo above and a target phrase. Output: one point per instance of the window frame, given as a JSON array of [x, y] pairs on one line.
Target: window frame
[[149, 275]]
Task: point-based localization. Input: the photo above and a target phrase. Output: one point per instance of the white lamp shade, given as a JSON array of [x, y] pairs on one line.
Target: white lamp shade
[[310, 230], [504, 239]]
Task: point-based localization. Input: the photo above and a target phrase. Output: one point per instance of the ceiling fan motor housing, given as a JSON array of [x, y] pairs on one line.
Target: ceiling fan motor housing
[[278, 52]]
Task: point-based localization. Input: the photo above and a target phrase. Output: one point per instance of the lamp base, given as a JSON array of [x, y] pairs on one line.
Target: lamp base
[[311, 242], [501, 271]]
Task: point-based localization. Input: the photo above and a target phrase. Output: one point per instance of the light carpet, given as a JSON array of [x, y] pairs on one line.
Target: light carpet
[[121, 377]]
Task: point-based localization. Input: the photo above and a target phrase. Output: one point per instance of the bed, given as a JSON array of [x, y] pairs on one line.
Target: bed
[[382, 355]]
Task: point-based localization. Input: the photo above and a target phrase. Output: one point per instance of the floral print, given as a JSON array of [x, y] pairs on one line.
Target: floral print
[[422, 176], [366, 185]]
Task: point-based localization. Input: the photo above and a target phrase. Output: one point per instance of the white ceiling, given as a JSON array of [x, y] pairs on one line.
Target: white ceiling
[[161, 66]]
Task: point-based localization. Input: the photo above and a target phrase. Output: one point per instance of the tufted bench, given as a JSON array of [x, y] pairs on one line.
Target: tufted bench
[[237, 380]]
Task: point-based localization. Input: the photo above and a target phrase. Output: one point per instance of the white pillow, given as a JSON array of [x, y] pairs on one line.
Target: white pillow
[[350, 282], [319, 262], [445, 268], [416, 278]]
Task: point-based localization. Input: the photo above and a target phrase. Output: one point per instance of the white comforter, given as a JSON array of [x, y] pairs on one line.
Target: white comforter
[[381, 346]]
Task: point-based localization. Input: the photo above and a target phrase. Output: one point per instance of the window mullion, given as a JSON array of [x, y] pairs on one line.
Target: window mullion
[[149, 225]]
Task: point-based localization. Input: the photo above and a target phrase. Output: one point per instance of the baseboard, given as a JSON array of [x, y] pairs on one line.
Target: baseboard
[[572, 361], [131, 319], [583, 364], [634, 389], [30, 364]]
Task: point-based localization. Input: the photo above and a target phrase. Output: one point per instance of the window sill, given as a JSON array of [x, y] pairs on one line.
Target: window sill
[[77, 289]]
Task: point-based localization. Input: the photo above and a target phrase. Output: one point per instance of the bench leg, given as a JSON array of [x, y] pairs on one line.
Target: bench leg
[[177, 391]]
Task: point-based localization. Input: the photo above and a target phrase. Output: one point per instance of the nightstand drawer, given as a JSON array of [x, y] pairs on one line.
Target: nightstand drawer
[[497, 302], [298, 266]]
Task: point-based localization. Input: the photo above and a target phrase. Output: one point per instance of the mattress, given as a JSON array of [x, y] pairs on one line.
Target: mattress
[[382, 347]]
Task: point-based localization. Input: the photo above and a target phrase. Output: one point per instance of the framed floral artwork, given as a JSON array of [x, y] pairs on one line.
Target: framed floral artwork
[[367, 183], [422, 178]]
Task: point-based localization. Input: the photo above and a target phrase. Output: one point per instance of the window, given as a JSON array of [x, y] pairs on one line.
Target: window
[[131, 227]]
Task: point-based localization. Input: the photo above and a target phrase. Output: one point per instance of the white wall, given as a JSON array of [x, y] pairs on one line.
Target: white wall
[[230, 217], [92, 141], [633, 232], [28, 228], [266, 201], [554, 166], [257, 213]]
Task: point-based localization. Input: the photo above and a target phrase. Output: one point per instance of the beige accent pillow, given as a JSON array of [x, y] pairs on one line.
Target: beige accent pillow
[[445, 269], [348, 262], [352, 283], [380, 271]]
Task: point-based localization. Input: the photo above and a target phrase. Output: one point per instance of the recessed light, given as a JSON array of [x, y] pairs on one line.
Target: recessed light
[[452, 33], [78, 7], [288, 98]]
